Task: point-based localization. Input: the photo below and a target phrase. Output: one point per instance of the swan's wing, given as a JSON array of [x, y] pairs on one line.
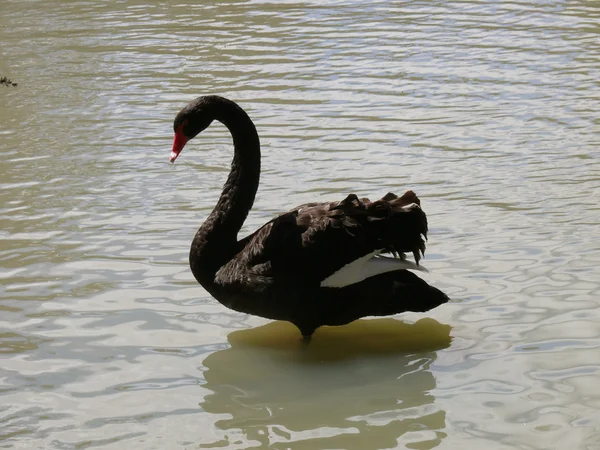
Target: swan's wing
[[325, 243]]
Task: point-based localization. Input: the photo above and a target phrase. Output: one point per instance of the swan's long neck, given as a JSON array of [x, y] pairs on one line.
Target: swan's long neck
[[216, 240]]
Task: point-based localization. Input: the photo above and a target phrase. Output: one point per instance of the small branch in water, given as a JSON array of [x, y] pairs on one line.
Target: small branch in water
[[7, 82]]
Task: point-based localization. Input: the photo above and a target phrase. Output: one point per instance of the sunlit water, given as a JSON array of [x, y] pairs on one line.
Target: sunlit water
[[490, 111]]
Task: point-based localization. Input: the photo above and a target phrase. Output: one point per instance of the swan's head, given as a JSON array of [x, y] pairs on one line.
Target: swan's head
[[191, 120]]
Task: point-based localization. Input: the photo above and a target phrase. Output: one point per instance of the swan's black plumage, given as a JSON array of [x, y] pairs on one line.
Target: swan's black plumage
[[278, 271]]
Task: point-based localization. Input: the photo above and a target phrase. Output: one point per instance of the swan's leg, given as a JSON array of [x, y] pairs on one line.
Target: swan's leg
[[307, 332]]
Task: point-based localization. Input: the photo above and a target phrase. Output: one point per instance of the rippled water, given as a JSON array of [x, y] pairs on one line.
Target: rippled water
[[488, 110]]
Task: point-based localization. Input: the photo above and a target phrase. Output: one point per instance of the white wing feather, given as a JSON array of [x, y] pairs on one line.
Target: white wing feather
[[367, 266]]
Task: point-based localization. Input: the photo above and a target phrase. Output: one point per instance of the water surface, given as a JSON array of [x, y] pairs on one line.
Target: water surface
[[488, 110]]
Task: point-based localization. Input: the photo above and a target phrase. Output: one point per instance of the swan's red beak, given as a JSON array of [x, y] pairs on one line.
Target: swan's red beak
[[178, 143]]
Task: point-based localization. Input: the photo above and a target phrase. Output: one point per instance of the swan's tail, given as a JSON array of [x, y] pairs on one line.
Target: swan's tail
[[382, 295]]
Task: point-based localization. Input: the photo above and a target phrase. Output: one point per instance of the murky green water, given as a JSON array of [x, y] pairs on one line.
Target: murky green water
[[488, 110]]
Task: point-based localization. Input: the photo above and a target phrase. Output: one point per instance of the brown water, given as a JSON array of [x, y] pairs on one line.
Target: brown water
[[490, 111]]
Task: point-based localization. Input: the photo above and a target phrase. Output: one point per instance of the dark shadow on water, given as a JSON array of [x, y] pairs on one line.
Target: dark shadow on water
[[366, 385]]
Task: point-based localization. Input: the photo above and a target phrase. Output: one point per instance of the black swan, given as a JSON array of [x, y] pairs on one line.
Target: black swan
[[319, 263]]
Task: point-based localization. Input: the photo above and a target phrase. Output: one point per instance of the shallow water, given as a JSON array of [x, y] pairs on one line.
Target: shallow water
[[488, 110]]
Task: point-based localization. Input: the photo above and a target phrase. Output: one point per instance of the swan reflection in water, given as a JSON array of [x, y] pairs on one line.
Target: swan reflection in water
[[365, 385]]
